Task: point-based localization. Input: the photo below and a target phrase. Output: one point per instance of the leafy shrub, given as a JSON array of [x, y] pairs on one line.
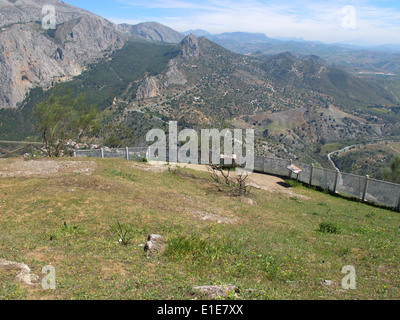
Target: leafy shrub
[[292, 183], [329, 227]]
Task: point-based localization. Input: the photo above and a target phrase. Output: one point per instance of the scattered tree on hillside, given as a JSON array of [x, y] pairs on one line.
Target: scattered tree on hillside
[[393, 172], [62, 118]]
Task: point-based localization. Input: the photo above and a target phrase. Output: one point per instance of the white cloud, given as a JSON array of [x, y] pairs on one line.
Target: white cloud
[[311, 20]]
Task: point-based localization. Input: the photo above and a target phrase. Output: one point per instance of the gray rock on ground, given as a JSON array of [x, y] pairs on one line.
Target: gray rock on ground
[[327, 283], [24, 275], [155, 244], [214, 292]]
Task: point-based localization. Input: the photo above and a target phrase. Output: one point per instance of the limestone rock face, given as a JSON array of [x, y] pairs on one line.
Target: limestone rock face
[[173, 76], [33, 56], [150, 88], [154, 86], [190, 47]]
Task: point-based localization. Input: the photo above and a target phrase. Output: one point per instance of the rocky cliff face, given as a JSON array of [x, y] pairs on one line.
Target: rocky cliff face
[[189, 49], [32, 56], [154, 86], [23, 11]]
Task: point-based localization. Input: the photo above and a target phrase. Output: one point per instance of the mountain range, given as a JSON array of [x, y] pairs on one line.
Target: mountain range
[[142, 76], [33, 56], [355, 58]]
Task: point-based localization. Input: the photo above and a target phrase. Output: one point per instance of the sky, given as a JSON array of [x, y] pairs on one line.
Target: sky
[[331, 21]]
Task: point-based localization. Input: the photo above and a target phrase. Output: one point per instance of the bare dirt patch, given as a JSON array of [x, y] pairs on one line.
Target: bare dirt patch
[[272, 184], [10, 168], [206, 216], [289, 118], [257, 180], [150, 167]]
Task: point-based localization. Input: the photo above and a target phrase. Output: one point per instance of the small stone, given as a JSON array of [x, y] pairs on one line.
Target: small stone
[[214, 292], [155, 244], [327, 283], [250, 201], [24, 275], [27, 277]]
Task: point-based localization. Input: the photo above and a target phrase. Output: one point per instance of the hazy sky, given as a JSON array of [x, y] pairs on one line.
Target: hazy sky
[[371, 21]]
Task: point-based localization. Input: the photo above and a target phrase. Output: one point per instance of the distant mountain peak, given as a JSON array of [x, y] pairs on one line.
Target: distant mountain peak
[[286, 55], [197, 33], [190, 47], [151, 31], [23, 11]]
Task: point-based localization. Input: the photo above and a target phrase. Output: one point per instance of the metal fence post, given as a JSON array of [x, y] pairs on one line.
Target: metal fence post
[[398, 204], [127, 153], [102, 153], [365, 188], [311, 174], [336, 180], [290, 171], [74, 154]]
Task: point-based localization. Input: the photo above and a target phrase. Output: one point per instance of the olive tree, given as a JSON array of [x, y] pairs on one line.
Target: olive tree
[[62, 118]]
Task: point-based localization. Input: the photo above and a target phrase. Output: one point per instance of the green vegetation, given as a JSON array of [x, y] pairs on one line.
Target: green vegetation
[[300, 107], [376, 160], [293, 183], [112, 77], [329, 227], [60, 119], [393, 172], [16, 125], [274, 250], [125, 233]]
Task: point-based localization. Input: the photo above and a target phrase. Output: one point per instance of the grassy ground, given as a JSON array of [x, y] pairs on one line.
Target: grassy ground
[[281, 247]]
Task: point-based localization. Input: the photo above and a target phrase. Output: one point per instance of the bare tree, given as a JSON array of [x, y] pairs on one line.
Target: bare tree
[[238, 185], [242, 187]]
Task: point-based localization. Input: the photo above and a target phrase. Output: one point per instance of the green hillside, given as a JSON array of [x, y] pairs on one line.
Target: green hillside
[[313, 73], [279, 245], [369, 159], [295, 103], [115, 76]]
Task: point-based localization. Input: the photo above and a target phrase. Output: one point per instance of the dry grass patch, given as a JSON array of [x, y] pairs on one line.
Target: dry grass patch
[[44, 168]]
